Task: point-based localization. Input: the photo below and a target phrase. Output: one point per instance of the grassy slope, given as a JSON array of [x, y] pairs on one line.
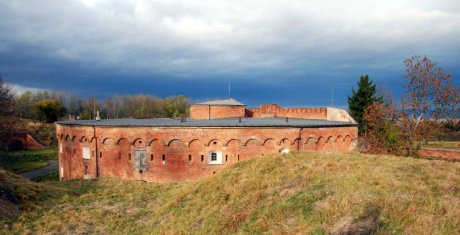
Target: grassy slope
[[22, 161], [308, 192]]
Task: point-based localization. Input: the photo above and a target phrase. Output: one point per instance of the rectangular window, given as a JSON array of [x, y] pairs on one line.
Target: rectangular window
[[189, 158], [202, 158], [226, 157], [86, 153], [215, 158], [163, 159]]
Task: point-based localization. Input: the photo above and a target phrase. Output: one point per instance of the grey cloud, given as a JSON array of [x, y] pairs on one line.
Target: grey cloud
[[196, 39]]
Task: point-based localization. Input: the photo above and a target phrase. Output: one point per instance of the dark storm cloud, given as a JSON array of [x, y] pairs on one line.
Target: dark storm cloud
[[291, 52]]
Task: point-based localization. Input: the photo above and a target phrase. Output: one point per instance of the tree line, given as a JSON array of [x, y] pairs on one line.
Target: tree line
[[52, 106]]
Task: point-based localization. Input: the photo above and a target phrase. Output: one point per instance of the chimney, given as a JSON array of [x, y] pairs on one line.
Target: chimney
[[287, 119], [97, 116]]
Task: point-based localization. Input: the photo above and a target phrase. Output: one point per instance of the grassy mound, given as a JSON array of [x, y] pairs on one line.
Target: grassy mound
[[305, 192], [18, 194]]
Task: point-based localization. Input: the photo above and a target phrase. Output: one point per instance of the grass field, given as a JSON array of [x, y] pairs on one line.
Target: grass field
[[444, 144], [22, 161], [309, 193]]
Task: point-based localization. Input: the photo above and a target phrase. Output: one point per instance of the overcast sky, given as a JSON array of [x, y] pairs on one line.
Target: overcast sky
[[288, 52]]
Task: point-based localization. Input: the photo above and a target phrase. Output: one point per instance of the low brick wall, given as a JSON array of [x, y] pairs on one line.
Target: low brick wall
[[441, 153]]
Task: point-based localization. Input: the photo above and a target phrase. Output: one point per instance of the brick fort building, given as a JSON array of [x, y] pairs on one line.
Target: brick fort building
[[218, 134]]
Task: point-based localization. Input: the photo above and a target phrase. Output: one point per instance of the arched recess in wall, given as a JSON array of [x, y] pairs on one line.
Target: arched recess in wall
[[310, 143], [121, 141], [194, 142], [155, 142], [213, 142], [269, 145], [268, 141], [176, 148], [62, 136], [339, 139], [320, 143], [230, 141], [347, 142], [92, 140], [67, 138], [175, 141], [83, 139], [74, 137], [252, 141], [108, 141], [328, 145], [284, 141], [297, 141], [138, 143]]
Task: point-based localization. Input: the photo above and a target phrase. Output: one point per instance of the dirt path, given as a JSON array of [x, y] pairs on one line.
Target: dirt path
[[52, 167]]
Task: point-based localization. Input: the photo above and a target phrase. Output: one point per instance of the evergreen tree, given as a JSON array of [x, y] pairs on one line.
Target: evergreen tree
[[365, 96]]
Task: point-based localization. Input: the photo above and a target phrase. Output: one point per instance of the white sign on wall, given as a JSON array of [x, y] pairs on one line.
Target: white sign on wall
[[86, 153], [60, 148]]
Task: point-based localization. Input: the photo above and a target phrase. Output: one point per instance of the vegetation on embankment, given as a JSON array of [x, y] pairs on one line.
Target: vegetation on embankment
[[22, 161], [443, 144], [305, 192]]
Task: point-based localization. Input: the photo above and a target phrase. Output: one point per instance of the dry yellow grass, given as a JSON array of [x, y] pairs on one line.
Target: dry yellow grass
[[309, 192]]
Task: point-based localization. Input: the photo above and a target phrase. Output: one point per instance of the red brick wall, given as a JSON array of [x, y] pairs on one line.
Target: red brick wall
[[441, 153], [114, 145], [273, 110], [216, 111]]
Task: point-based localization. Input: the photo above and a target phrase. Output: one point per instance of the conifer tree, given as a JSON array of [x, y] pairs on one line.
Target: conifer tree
[[365, 96]]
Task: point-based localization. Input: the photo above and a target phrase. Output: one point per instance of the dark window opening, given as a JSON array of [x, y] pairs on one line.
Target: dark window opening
[[213, 172], [189, 158], [93, 154], [238, 157], [202, 158], [100, 154], [213, 156], [215, 142], [151, 157], [129, 157], [163, 158], [226, 157]]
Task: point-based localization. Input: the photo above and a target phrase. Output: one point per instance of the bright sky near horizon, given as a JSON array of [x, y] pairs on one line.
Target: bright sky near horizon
[[288, 52]]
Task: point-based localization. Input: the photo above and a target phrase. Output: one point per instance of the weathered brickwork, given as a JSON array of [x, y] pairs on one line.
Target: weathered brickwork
[[273, 110], [216, 111], [182, 153]]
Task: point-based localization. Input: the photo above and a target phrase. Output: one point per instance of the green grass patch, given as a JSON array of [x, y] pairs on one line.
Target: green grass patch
[[22, 161], [48, 177], [307, 193]]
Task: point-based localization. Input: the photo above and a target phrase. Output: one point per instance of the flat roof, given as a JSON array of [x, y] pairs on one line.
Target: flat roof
[[224, 122], [231, 102]]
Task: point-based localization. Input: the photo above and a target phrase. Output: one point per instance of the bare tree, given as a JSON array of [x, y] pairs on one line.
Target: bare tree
[[6, 99], [430, 97]]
